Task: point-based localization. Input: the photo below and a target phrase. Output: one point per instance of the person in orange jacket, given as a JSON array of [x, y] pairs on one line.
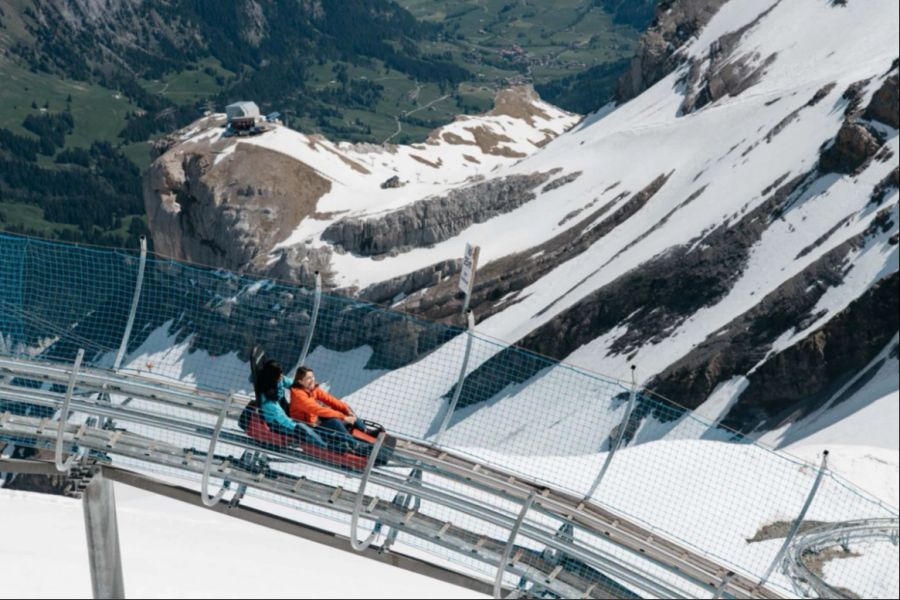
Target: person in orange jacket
[[312, 405]]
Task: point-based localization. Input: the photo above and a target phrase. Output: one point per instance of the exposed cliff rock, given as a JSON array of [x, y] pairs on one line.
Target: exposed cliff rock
[[852, 147], [827, 358], [427, 222], [498, 282], [226, 205], [649, 301], [675, 22], [723, 73], [236, 202], [857, 142], [777, 386], [396, 288], [885, 106]]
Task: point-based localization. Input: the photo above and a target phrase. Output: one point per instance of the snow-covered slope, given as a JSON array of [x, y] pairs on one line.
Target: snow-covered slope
[[170, 549], [734, 225]]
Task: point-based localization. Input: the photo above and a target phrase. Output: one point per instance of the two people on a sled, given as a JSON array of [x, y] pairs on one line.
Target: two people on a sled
[[313, 416]]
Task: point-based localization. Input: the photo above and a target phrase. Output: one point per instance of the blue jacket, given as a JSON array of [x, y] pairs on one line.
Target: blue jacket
[[271, 409]]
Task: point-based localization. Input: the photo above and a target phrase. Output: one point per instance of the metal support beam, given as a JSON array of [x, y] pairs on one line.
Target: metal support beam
[[797, 522], [317, 300], [27, 466], [619, 437], [102, 531], [501, 568], [360, 493], [721, 589], [406, 501], [64, 416], [470, 318]]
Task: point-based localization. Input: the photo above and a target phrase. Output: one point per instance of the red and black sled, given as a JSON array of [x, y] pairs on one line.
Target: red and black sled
[[252, 422]]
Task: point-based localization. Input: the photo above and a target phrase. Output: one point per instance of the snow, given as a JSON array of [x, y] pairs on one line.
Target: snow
[[341, 373], [633, 143], [357, 170], [874, 469], [170, 549], [163, 356], [721, 400], [858, 572]]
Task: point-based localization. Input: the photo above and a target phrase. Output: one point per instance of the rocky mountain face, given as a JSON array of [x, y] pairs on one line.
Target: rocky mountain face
[[731, 224], [228, 216], [432, 220], [674, 23], [228, 202]]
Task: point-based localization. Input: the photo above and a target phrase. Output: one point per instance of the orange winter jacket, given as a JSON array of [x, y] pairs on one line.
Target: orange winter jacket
[[306, 406]]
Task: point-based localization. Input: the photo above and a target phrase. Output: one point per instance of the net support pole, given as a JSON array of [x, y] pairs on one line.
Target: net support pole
[[470, 319], [467, 274], [619, 437], [123, 346], [720, 590], [64, 417], [501, 567], [129, 324], [797, 522], [102, 533], [357, 545], [208, 500], [317, 301]]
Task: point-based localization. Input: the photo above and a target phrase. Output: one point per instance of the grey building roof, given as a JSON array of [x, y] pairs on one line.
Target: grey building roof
[[242, 109]]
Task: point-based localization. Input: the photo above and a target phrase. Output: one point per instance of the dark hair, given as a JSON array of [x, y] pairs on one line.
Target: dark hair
[[300, 374], [268, 376]]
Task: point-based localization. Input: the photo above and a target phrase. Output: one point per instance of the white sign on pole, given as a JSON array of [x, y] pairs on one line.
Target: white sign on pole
[[467, 275]]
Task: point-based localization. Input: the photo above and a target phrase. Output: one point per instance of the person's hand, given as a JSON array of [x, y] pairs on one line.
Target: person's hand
[[350, 419], [315, 422]]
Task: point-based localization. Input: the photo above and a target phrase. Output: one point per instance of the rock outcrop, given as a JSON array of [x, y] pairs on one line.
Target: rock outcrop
[[235, 203], [433, 220], [777, 388], [397, 288], [857, 142], [828, 358], [675, 22], [499, 282], [723, 73], [852, 147], [226, 204], [885, 105]]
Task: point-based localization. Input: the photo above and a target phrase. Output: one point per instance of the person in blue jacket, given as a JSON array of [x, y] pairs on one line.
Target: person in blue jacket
[[270, 387]]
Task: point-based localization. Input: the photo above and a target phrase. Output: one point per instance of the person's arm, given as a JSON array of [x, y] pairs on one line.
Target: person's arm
[[347, 414], [338, 405], [304, 407], [273, 413]]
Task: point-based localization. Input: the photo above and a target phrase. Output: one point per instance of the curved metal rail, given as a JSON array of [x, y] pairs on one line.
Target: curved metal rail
[[652, 564], [819, 539]]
